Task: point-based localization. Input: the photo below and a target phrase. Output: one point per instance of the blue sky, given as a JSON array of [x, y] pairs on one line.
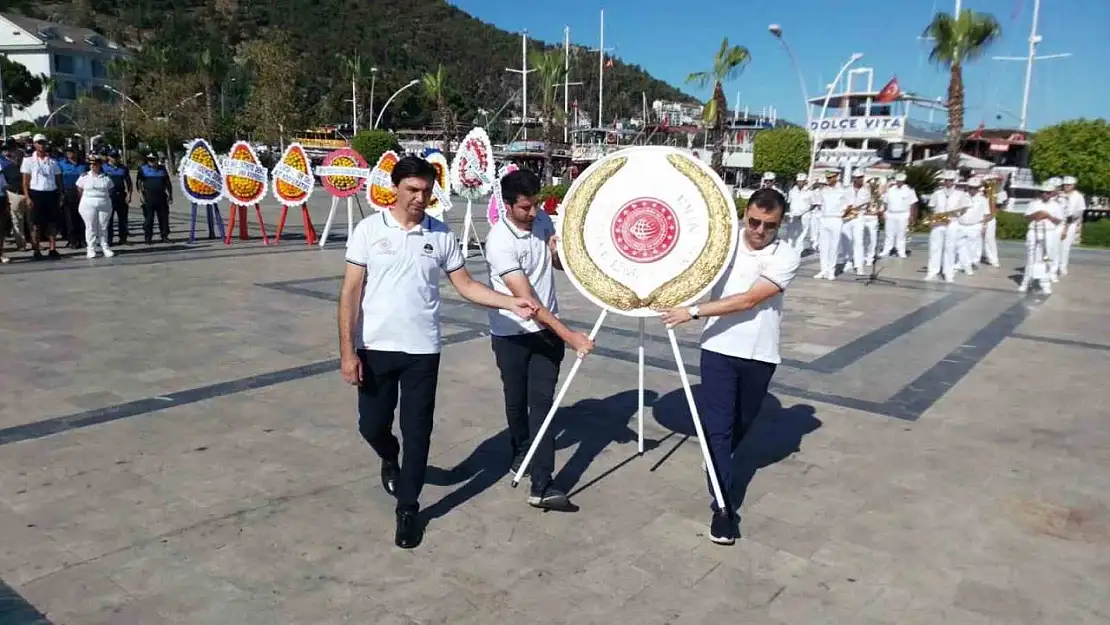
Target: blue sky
[[671, 41]]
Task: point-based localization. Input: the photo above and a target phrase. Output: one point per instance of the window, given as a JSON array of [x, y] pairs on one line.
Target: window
[[99, 70], [64, 64], [66, 90]]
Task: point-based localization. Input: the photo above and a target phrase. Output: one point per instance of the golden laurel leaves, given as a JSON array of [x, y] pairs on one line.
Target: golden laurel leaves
[[675, 291]]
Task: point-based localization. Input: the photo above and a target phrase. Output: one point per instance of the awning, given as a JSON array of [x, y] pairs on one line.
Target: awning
[[967, 161]]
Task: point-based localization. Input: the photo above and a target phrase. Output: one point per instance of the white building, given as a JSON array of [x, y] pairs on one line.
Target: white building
[[75, 58], [676, 113]]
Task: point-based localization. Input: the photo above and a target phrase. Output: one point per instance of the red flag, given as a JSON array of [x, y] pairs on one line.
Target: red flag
[[663, 125], [890, 92], [978, 134]]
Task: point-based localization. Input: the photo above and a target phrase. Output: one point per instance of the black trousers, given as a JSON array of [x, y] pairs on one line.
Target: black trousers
[[529, 365], [156, 207], [416, 377], [119, 211], [729, 398], [74, 224]]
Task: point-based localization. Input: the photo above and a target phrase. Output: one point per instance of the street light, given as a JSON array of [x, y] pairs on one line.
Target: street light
[[46, 123], [373, 82], [412, 83], [776, 30], [825, 106]]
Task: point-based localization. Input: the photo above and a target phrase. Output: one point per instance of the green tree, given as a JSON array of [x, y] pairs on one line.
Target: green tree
[[21, 87], [727, 65], [271, 107], [371, 144], [550, 71], [435, 94], [1079, 148], [784, 151], [957, 41]]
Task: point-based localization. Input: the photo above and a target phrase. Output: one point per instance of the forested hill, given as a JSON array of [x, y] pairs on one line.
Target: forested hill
[[402, 39]]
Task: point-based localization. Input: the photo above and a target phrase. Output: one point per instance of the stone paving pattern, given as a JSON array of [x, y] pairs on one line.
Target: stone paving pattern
[[177, 447]]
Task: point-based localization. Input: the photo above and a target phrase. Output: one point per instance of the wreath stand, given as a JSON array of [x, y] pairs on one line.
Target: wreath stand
[[469, 232], [241, 209], [706, 456], [309, 230], [351, 200], [212, 215]]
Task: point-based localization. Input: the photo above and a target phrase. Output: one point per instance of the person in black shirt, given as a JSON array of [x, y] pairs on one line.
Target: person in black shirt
[[157, 189], [10, 160], [121, 194]]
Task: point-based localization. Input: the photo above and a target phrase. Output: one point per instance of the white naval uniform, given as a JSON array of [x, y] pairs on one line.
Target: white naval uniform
[[988, 243], [854, 230], [95, 208], [898, 200], [833, 202], [968, 228], [942, 239], [1041, 240], [798, 217], [1074, 207], [813, 218]]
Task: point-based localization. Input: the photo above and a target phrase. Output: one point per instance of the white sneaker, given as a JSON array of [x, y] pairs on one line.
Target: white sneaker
[[860, 272], [931, 278], [1052, 278], [950, 279], [91, 253], [819, 275], [1046, 289], [867, 264], [831, 277], [970, 272], [1063, 271], [108, 253], [1023, 288]]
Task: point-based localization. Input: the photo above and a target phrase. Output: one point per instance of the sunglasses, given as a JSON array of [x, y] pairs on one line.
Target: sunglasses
[[755, 224]]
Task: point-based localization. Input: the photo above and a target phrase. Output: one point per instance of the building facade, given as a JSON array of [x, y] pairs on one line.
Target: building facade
[[76, 60]]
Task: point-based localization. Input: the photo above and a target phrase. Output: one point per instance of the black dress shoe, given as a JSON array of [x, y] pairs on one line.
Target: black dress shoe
[[53, 255], [722, 528], [408, 529], [390, 473]]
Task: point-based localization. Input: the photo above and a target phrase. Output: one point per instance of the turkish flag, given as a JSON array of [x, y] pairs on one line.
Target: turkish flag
[[890, 92], [978, 134]]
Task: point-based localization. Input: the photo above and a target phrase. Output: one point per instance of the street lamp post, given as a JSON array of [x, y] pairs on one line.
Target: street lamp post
[[411, 83], [122, 127], [373, 81], [825, 106], [776, 30]]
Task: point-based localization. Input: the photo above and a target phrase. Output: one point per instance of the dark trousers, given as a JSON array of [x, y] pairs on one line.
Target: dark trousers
[[119, 211], [731, 393], [416, 377], [529, 365], [74, 224], [156, 207]]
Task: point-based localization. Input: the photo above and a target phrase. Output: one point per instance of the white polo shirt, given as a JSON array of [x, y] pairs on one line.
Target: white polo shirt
[[510, 249], [945, 200], [899, 199], [1052, 207], [42, 171], [974, 215], [400, 299], [800, 201], [752, 334], [859, 198]]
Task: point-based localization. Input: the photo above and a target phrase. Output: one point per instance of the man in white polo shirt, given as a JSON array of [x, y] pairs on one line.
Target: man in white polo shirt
[[969, 225], [389, 330], [948, 202], [833, 199], [520, 251], [1074, 207], [42, 180], [901, 203], [798, 219], [740, 342]]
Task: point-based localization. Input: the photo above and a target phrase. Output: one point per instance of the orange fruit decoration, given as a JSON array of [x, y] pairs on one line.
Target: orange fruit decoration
[[382, 194], [242, 174], [292, 176]]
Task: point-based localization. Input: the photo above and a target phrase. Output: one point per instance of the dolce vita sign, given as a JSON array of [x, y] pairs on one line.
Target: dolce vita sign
[[858, 128], [645, 229]]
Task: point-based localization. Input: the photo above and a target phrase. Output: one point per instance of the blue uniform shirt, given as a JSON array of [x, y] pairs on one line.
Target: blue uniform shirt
[[119, 174], [71, 172], [155, 179]]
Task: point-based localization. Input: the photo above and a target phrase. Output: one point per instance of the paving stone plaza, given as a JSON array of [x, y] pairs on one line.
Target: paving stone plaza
[[176, 446]]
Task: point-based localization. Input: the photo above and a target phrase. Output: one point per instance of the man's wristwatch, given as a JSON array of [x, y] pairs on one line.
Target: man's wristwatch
[[693, 310]]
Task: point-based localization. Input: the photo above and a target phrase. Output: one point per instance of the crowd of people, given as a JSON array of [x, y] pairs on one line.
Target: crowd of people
[[841, 224], [47, 194]]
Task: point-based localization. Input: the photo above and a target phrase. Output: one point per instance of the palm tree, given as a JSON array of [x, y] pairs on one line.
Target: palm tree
[[435, 93], [550, 71], [213, 67], [352, 70], [727, 65], [955, 42]]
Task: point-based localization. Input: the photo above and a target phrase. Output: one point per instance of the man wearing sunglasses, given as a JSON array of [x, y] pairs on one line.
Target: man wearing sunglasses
[[740, 341]]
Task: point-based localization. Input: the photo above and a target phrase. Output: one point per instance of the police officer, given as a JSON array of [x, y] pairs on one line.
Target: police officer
[[121, 194], [157, 190], [73, 167]]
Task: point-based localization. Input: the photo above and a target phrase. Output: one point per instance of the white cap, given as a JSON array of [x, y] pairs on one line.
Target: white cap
[[975, 182], [900, 177], [801, 177], [1070, 180], [770, 175], [1054, 181], [1047, 186], [948, 174], [39, 138]]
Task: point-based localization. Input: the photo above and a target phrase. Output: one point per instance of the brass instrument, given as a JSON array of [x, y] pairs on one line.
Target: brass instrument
[[875, 206]]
